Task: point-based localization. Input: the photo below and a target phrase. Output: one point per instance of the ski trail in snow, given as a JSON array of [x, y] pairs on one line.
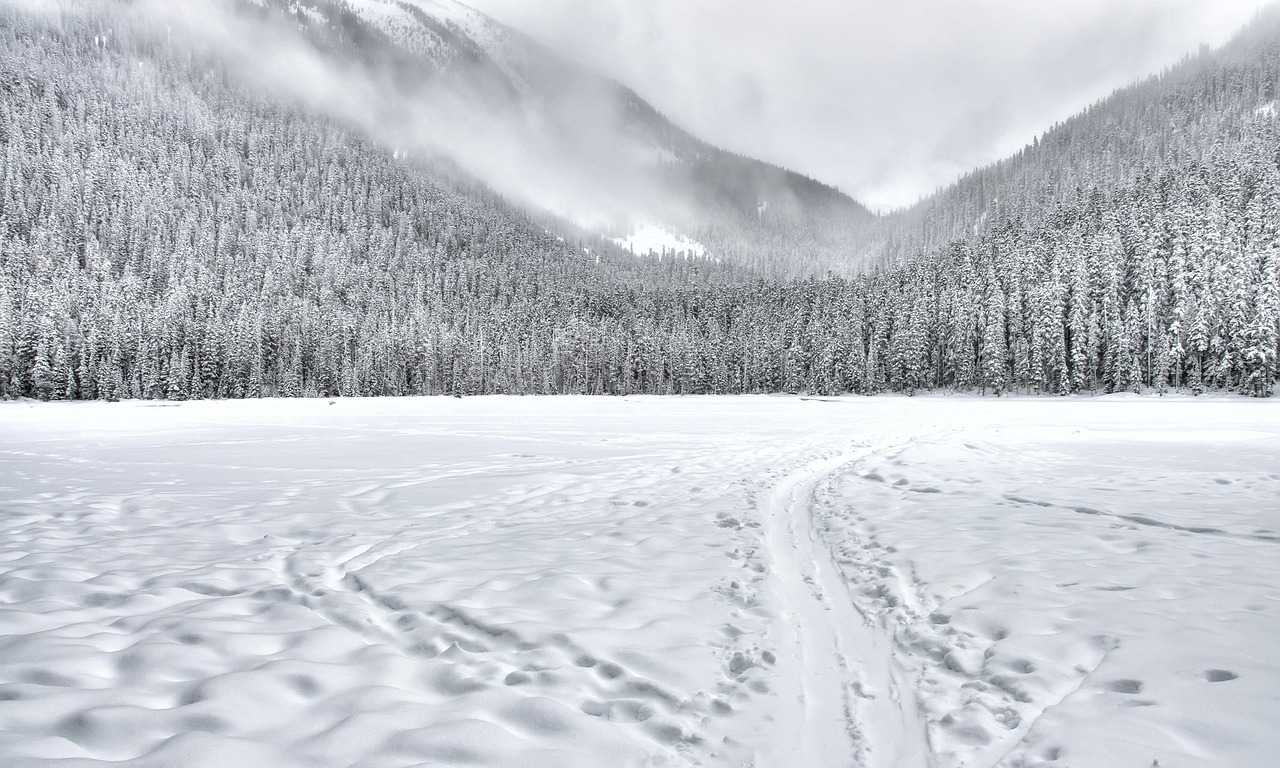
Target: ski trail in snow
[[855, 705]]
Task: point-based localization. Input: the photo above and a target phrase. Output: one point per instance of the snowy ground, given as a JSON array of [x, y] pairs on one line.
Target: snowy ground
[[762, 581]]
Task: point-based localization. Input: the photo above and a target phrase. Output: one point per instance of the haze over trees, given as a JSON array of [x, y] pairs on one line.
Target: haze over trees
[[169, 231]]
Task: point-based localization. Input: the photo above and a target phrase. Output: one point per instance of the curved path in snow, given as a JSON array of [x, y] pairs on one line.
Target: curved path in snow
[[855, 705]]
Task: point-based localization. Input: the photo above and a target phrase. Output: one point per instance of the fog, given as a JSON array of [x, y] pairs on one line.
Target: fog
[[887, 100], [564, 153]]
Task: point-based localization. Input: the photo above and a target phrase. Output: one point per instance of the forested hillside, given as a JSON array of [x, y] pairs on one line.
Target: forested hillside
[[1206, 104], [168, 232], [442, 78]]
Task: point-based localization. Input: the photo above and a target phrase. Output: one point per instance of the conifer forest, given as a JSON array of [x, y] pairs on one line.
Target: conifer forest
[[166, 232]]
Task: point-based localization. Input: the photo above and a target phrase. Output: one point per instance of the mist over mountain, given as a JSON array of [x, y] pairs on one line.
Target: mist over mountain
[[439, 81]]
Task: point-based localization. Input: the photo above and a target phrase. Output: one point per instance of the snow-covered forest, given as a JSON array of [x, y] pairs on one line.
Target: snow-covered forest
[[168, 232]]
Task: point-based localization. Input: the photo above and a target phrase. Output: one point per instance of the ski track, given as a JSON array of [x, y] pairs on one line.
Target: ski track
[[867, 649], [858, 708], [949, 699]]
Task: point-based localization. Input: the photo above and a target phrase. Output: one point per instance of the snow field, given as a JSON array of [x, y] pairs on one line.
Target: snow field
[[653, 240], [640, 582], [1091, 594]]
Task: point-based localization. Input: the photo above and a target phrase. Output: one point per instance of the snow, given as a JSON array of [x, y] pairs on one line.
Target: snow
[[651, 239], [391, 17], [723, 581], [394, 18], [312, 14], [1266, 110], [476, 24]]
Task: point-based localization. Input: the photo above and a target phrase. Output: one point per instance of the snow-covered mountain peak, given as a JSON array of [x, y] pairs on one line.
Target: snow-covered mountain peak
[[444, 32]]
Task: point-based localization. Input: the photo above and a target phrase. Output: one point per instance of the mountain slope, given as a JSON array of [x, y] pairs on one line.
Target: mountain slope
[[166, 231], [1213, 101], [569, 141]]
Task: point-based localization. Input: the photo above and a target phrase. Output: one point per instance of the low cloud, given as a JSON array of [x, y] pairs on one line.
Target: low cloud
[[569, 158], [888, 100]]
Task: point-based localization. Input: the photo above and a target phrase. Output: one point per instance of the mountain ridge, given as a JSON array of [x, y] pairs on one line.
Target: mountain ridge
[[599, 131], [1166, 118]]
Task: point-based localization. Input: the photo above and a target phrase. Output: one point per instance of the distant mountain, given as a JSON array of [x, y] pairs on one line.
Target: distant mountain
[[591, 150]]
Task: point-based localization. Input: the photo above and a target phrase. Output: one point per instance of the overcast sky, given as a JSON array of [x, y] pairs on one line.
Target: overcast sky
[[887, 99]]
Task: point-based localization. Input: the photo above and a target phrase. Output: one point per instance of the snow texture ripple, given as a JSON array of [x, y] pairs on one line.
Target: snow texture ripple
[[750, 581]]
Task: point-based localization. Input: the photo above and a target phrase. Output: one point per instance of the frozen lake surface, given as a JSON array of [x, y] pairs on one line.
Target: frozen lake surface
[[751, 581]]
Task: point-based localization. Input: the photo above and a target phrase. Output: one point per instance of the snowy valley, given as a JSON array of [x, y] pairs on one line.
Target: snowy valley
[[384, 387]]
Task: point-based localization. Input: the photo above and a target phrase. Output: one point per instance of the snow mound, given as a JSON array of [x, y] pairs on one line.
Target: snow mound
[[654, 240]]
